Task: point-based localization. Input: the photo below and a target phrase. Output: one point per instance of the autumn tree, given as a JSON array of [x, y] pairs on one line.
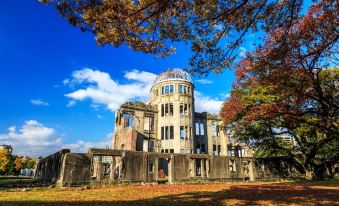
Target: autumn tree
[[213, 29], [4, 159], [289, 86], [18, 165]]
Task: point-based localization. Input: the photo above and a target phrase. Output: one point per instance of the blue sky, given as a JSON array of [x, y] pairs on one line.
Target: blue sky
[[43, 58], [59, 89]]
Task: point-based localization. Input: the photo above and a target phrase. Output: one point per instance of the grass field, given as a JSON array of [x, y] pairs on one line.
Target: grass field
[[288, 193]]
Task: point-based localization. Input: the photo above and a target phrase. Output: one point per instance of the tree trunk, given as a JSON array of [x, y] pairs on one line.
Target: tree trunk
[[310, 175]]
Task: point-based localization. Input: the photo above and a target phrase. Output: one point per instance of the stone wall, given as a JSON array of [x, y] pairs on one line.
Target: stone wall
[[49, 168], [75, 169], [106, 165]]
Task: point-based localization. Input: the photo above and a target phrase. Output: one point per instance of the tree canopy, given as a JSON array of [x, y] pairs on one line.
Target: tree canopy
[[289, 87], [214, 29]]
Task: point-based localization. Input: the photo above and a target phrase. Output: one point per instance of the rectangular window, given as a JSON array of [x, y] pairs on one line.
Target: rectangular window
[[219, 149], [162, 151], [171, 132], [181, 110], [162, 90], [182, 151], [182, 132], [214, 130], [128, 118], [166, 132], [202, 131], [180, 88], [166, 89], [197, 131], [162, 110], [162, 133], [215, 150], [166, 150], [171, 150], [185, 89], [166, 109], [150, 167], [171, 89], [171, 109], [188, 90]]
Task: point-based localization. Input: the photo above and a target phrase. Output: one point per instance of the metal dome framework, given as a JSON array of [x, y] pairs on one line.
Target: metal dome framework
[[173, 74]]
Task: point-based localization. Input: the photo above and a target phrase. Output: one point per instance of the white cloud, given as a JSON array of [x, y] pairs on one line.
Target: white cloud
[[66, 81], [207, 104], [71, 103], [102, 90], [31, 138], [35, 139], [243, 51], [204, 81], [39, 102]]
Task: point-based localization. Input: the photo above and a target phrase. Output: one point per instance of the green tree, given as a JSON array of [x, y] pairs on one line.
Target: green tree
[[11, 166], [31, 164]]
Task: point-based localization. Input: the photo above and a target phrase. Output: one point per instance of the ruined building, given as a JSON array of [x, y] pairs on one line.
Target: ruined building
[[165, 140], [168, 123]]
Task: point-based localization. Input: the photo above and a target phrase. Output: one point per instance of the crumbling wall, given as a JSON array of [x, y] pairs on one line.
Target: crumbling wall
[[134, 166], [49, 168], [180, 167], [75, 169], [126, 139], [219, 168]]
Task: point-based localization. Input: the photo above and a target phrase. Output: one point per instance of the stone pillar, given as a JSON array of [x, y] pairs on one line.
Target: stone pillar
[[202, 167], [98, 168], [207, 167], [112, 168], [251, 170], [192, 167], [171, 170]]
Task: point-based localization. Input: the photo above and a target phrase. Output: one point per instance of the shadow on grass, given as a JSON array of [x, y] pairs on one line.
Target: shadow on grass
[[276, 194]]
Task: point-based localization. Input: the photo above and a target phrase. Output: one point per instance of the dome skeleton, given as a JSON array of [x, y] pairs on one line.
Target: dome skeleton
[[173, 74]]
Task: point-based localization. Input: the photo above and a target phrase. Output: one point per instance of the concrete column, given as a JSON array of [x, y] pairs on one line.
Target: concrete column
[[99, 168], [171, 170], [112, 168], [192, 168], [202, 167], [207, 167], [251, 170]]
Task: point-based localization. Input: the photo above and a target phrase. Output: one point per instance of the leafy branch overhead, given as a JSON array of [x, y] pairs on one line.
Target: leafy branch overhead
[[213, 29]]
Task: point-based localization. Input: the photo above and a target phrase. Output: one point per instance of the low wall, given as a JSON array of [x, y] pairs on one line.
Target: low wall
[[49, 168], [105, 165], [76, 169]]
